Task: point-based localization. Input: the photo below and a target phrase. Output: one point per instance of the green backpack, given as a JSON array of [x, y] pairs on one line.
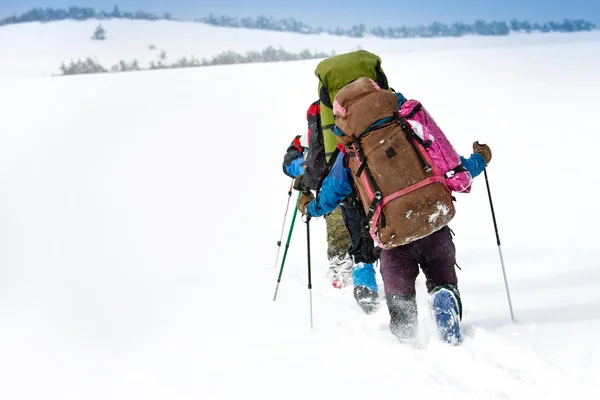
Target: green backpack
[[336, 72]]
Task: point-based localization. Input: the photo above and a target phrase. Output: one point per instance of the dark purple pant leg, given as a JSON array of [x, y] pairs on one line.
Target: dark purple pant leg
[[434, 254], [437, 256], [399, 270]]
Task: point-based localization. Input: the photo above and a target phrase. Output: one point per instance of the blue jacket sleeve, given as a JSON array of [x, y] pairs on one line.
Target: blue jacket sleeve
[[336, 187], [474, 164]]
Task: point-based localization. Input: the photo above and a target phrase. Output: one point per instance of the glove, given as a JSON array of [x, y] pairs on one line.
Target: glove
[[298, 184], [303, 201], [296, 145], [483, 150]]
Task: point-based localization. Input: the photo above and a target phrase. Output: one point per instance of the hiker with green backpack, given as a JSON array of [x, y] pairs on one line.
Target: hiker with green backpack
[[350, 249], [390, 151]]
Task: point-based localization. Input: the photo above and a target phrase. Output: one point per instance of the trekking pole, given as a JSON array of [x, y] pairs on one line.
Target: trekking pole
[[512, 315], [287, 246], [309, 270], [283, 225]]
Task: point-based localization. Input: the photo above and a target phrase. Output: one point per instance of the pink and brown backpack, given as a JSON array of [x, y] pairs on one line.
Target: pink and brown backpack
[[404, 167]]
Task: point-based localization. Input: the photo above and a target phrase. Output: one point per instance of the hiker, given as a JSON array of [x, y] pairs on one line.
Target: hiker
[[379, 126], [350, 249]]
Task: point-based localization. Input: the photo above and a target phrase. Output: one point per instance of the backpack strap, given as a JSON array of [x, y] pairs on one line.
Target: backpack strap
[[410, 115], [379, 215], [455, 170], [381, 78], [377, 196], [324, 94], [384, 123], [411, 136], [414, 111], [324, 128]]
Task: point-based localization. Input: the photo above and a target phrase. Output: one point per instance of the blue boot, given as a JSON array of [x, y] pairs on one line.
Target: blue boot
[[446, 308], [365, 287]]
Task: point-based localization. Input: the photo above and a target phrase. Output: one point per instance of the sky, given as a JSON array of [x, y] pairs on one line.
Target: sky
[[344, 13]]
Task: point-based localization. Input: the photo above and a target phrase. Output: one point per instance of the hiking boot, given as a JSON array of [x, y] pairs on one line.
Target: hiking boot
[[367, 299]]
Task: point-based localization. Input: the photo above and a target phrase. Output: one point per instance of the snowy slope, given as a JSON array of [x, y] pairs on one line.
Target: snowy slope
[[139, 214], [24, 46]]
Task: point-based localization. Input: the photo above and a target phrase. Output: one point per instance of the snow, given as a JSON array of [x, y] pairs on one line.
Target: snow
[[65, 41], [442, 209], [139, 214]]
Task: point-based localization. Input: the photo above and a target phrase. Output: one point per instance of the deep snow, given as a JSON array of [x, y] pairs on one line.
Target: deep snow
[[139, 214]]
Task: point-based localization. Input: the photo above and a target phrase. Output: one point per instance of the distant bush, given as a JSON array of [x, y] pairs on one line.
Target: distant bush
[[270, 54], [123, 66], [181, 63], [88, 66], [99, 33]]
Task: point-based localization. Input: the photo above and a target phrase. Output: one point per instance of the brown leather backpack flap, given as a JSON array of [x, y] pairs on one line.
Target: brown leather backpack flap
[[362, 104]]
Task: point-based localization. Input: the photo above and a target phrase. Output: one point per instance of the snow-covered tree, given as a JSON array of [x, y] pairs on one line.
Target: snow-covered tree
[[99, 33]]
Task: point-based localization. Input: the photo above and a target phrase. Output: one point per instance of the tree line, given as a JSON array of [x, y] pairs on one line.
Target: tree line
[[79, 14], [435, 29]]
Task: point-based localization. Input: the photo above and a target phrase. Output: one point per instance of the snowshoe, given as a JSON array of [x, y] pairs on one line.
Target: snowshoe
[[446, 313], [367, 299], [340, 271]]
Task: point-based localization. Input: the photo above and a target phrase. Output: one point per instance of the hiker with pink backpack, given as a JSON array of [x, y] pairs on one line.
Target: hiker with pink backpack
[[404, 170]]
